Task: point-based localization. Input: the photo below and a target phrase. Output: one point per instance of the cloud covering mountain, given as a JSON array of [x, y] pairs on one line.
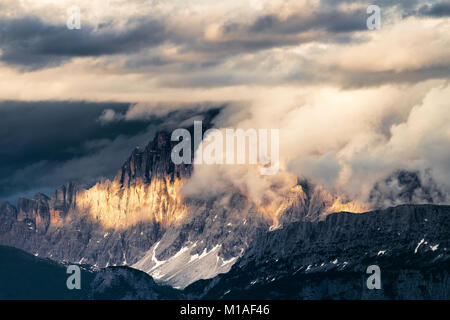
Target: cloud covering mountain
[[352, 105]]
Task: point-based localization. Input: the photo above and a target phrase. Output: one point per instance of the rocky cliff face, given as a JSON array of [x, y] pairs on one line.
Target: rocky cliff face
[[146, 189], [328, 259], [302, 260]]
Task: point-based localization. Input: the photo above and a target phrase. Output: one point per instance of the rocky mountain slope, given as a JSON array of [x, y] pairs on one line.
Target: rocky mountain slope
[[328, 259], [302, 260]]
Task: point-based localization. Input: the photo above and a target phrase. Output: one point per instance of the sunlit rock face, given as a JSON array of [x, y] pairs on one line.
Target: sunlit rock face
[[119, 208], [307, 202], [111, 223], [146, 189]]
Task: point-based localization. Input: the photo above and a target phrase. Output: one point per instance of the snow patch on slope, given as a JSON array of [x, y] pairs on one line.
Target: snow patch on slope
[[184, 268], [418, 245]]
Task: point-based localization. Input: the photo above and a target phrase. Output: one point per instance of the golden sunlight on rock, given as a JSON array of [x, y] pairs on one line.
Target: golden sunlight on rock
[[119, 208], [295, 197], [351, 206]]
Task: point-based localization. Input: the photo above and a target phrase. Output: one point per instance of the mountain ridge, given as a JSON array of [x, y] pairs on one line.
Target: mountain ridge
[[302, 260], [328, 259]]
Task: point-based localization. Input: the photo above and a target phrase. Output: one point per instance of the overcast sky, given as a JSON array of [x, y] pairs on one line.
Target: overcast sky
[[352, 104]]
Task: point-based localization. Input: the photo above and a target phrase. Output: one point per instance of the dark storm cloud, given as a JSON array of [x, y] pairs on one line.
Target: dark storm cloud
[[440, 9], [264, 32], [333, 21], [367, 79], [269, 31], [31, 43], [103, 161], [45, 144]]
